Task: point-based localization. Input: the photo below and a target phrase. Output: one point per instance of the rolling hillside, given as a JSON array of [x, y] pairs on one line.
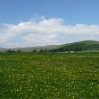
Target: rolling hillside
[[79, 46], [75, 46]]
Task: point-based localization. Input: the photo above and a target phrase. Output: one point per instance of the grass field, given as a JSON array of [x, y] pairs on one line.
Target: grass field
[[49, 76]]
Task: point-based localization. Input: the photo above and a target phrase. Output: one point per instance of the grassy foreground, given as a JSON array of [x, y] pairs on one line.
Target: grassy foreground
[[49, 76]]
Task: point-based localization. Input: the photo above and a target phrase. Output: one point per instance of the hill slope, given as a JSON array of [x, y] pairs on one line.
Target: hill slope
[[79, 46], [76, 46]]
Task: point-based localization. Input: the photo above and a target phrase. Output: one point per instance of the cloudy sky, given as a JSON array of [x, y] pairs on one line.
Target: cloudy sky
[[27, 23]]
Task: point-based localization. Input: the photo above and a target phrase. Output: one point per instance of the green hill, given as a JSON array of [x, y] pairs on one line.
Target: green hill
[[79, 46], [87, 45]]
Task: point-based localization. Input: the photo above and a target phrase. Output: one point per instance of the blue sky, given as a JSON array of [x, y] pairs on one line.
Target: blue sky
[[26, 23]]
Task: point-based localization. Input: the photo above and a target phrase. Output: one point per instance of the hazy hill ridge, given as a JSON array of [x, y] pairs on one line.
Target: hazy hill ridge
[[75, 46]]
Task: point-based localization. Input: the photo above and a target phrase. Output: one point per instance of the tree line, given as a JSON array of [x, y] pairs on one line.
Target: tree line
[[53, 50]]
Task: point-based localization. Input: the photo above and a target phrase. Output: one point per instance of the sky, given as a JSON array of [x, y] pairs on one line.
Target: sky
[[29, 23]]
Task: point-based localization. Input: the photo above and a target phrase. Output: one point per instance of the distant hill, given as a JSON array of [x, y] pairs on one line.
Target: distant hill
[[30, 49], [75, 46], [3, 49], [79, 46], [38, 48]]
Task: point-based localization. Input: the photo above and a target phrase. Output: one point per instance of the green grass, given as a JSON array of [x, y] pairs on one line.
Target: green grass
[[49, 76]]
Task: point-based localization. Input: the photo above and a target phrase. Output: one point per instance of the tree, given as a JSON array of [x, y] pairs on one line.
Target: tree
[[76, 49], [85, 48], [18, 50], [34, 50], [9, 50], [41, 50]]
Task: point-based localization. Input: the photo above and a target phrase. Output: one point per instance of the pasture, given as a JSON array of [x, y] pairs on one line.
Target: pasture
[[49, 76]]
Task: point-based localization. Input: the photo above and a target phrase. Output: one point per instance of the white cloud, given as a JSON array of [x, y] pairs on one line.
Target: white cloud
[[41, 31]]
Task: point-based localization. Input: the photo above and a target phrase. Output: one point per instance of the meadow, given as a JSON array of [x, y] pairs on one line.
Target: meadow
[[49, 75]]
